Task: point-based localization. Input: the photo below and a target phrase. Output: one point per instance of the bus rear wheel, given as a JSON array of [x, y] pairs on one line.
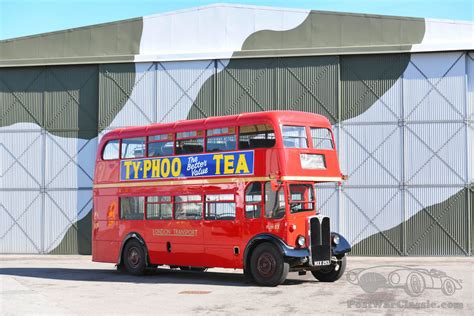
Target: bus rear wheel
[[133, 257], [267, 265]]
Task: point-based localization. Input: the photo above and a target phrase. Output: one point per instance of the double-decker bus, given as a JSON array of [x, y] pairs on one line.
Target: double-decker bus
[[232, 192]]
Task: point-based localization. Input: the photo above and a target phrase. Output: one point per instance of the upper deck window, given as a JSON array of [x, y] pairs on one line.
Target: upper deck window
[[294, 136], [160, 145], [111, 150], [256, 136], [221, 139], [191, 142], [321, 138], [133, 147]]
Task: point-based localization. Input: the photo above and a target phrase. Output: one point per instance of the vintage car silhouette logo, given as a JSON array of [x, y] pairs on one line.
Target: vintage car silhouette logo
[[413, 280]]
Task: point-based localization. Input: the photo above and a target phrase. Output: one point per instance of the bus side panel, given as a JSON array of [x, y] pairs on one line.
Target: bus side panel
[[184, 238], [106, 251], [106, 240]]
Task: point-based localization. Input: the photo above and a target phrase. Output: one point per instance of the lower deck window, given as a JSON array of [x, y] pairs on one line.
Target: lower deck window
[[274, 202], [132, 208], [188, 207], [220, 207], [301, 198], [253, 200], [159, 207]]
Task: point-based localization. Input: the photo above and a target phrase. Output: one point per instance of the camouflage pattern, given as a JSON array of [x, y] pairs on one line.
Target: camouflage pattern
[[400, 96]]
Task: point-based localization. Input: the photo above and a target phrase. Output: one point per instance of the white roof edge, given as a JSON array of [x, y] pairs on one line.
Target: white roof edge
[[227, 5], [286, 9]]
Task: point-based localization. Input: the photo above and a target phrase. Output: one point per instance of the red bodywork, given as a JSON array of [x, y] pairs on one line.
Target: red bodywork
[[214, 242]]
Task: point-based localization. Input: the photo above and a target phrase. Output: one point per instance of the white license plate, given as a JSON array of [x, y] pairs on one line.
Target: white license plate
[[322, 263]]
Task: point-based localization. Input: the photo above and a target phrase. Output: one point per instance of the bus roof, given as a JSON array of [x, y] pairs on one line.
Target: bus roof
[[276, 117]]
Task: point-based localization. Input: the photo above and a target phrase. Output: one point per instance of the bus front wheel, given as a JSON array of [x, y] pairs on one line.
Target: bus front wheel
[[267, 265], [133, 257], [331, 273]]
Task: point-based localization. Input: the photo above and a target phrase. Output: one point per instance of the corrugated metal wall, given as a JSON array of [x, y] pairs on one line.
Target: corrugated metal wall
[[48, 125], [403, 125]]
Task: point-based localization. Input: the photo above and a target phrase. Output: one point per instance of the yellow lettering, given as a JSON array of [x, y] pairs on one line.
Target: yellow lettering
[[228, 164], [242, 165], [218, 159], [146, 168], [127, 165], [155, 168], [165, 168], [176, 167], [136, 167]]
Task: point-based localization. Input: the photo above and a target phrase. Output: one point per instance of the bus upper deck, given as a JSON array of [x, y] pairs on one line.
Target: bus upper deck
[[281, 145]]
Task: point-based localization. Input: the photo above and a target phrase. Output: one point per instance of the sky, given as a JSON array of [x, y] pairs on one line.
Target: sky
[[28, 17]]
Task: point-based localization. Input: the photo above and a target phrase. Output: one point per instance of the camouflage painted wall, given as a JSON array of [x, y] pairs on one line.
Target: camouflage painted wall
[[408, 167], [402, 117]]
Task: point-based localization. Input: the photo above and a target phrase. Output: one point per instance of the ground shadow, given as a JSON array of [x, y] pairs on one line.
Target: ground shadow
[[158, 276]]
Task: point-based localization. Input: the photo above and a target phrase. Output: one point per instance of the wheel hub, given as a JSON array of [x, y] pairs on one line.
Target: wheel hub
[[266, 265], [133, 257]]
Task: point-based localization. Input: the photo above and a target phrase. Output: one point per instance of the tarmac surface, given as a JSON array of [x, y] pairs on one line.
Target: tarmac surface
[[75, 285]]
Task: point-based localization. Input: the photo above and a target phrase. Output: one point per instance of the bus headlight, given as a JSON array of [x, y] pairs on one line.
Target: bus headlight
[[312, 161], [300, 241], [335, 239]]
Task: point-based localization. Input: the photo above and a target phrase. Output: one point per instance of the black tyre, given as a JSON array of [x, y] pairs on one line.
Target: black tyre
[[193, 269], [133, 257], [331, 273], [248, 275], [267, 265]]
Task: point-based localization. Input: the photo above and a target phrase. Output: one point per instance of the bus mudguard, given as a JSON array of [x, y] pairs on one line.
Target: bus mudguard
[[341, 247], [127, 238], [285, 250]]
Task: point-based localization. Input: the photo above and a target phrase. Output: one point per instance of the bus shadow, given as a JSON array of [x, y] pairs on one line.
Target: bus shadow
[[159, 276]]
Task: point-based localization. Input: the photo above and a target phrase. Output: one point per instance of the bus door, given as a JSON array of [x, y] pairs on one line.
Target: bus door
[[222, 230]]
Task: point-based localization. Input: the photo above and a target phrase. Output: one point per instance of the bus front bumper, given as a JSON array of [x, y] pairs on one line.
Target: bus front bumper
[[318, 256]]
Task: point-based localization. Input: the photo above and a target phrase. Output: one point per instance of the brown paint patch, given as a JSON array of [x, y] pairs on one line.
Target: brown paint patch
[[194, 292]]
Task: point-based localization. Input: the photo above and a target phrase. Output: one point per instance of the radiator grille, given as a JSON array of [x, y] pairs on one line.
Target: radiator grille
[[320, 239]]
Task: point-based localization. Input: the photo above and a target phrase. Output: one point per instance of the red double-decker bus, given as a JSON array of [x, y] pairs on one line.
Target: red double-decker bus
[[233, 192]]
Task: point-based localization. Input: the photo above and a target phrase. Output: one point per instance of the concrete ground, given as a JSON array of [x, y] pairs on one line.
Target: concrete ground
[[75, 285]]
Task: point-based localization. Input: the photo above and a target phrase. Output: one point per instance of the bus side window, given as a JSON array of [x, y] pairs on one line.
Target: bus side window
[[189, 142], [220, 139], [187, 207], [256, 136], [253, 200], [132, 207], [322, 138], [159, 207], [133, 147], [220, 207], [111, 150], [274, 202]]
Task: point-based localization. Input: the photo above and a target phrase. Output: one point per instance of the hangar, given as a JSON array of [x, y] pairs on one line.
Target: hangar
[[399, 92]]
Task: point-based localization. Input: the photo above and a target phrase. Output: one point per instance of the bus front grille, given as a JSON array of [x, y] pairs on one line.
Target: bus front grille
[[320, 237]]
